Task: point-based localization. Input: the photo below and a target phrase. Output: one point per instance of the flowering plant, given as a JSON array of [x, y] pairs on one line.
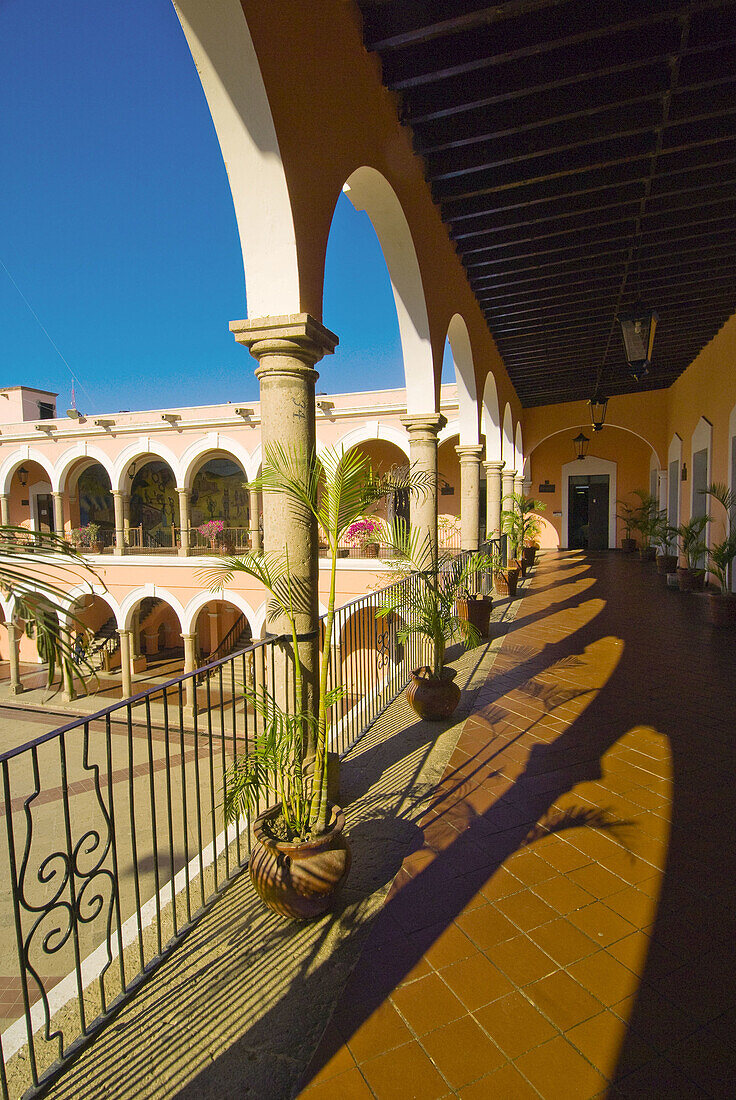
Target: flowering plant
[[211, 529], [84, 536], [363, 531]]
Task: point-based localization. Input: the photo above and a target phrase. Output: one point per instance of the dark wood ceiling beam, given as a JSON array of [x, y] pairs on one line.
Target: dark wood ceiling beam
[[387, 26]]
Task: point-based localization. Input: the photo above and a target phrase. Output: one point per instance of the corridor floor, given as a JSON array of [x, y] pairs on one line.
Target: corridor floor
[[565, 926]]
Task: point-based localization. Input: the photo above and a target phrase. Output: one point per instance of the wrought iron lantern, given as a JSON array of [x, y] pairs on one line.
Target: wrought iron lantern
[[598, 406], [22, 475], [581, 445], [637, 328]]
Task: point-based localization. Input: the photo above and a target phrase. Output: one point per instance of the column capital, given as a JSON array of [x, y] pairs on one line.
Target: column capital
[[180, 489], [510, 473], [469, 452], [292, 336], [57, 493], [188, 636], [117, 494], [423, 426], [493, 466], [123, 630]]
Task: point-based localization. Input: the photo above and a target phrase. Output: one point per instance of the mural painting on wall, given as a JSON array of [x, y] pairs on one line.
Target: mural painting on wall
[[220, 491], [95, 498], [153, 499]]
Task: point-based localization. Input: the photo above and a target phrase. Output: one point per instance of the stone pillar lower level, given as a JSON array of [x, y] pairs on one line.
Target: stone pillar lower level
[[190, 664], [254, 520], [58, 513], [287, 349], [4, 509], [117, 501], [125, 668], [493, 498], [422, 430], [16, 684], [469, 455]]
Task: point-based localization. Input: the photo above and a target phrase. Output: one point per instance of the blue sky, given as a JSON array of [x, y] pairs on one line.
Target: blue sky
[[117, 225]]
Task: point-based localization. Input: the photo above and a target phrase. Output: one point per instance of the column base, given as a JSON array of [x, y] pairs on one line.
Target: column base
[[16, 689], [184, 552]]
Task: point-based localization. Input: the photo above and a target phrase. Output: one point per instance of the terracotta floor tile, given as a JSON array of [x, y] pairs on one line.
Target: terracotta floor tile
[[605, 1041], [501, 884], [530, 868], [634, 905], [346, 1086], [659, 1078], [505, 1084], [658, 1022], [605, 977], [560, 1072], [514, 1024], [486, 926], [331, 1057], [563, 941], [563, 894], [597, 880], [404, 1074], [562, 856], [451, 945], [521, 960], [709, 1059], [601, 923], [462, 1052], [476, 981], [382, 1030], [563, 1000], [427, 1004], [525, 909]]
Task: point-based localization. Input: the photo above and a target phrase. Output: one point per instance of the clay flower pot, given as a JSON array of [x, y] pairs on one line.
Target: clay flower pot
[[476, 610], [528, 555], [666, 563], [506, 580], [433, 698], [647, 553], [299, 880], [628, 545], [722, 609], [690, 580]]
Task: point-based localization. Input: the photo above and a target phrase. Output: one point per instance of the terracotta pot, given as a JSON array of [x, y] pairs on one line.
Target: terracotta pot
[[722, 609], [371, 549], [520, 565], [476, 611], [648, 553], [431, 698], [628, 545], [528, 555], [505, 581], [666, 563], [690, 580], [299, 880]]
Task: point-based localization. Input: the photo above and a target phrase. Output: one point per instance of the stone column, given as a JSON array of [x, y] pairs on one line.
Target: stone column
[[67, 677], [126, 512], [508, 486], [469, 455], [287, 349], [519, 483], [422, 431], [184, 495], [117, 501], [213, 624], [4, 509], [190, 664], [16, 684], [125, 663], [493, 498], [254, 519], [59, 513]]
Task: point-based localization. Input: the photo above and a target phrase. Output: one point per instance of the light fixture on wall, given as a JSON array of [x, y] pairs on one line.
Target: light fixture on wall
[[581, 442], [23, 476], [131, 470], [637, 329], [598, 407], [683, 475]]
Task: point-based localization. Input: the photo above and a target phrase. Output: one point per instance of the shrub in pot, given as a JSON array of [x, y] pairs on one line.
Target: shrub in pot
[[521, 523], [627, 515], [664, 539], [645, 521], [505, 579], [428, 606], [86, 538], [693, 549], [300, 855], [722, 604]]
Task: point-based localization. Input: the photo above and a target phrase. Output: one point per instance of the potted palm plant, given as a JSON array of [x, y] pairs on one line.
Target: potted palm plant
[[645, 521], [427, 606], [664, 539], [627, 515], [520, 522], [693, 549], [722, 605], [300, 855]]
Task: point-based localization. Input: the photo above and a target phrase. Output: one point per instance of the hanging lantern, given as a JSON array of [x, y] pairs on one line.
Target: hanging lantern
[[581, 445], [637, 328], [598, 406], [22, 475]]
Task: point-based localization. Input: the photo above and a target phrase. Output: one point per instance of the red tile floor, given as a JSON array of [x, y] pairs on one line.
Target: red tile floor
[[567, 927]]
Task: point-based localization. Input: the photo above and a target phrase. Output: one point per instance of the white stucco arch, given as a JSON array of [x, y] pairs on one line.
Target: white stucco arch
[[491, 420], [462, 354], [80, 590], [589, 465], [518, 449], [577, 427], [201, 600], [507, 439], [141, 448], [221, 46], [133, 598], [371, 192], [217, 446], [70, 457], [19, 458], [372, 429]]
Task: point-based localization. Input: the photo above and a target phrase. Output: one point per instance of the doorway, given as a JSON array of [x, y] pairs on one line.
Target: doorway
[[587, 513], [45, 512]]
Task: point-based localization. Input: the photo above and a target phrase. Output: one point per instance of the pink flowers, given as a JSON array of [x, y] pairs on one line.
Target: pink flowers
[[362, 531], [211, 529]]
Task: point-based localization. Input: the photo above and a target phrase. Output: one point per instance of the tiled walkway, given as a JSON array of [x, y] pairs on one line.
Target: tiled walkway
[[567, 927]]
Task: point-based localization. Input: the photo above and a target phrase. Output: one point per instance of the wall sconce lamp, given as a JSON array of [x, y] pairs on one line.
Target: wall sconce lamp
[[326, 406], [23, 476], [581, 445], [245, 413], [598, 406], [171, 418], [683, 475], [131, 470], [73, 414], [104, 423], [637, 329]]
